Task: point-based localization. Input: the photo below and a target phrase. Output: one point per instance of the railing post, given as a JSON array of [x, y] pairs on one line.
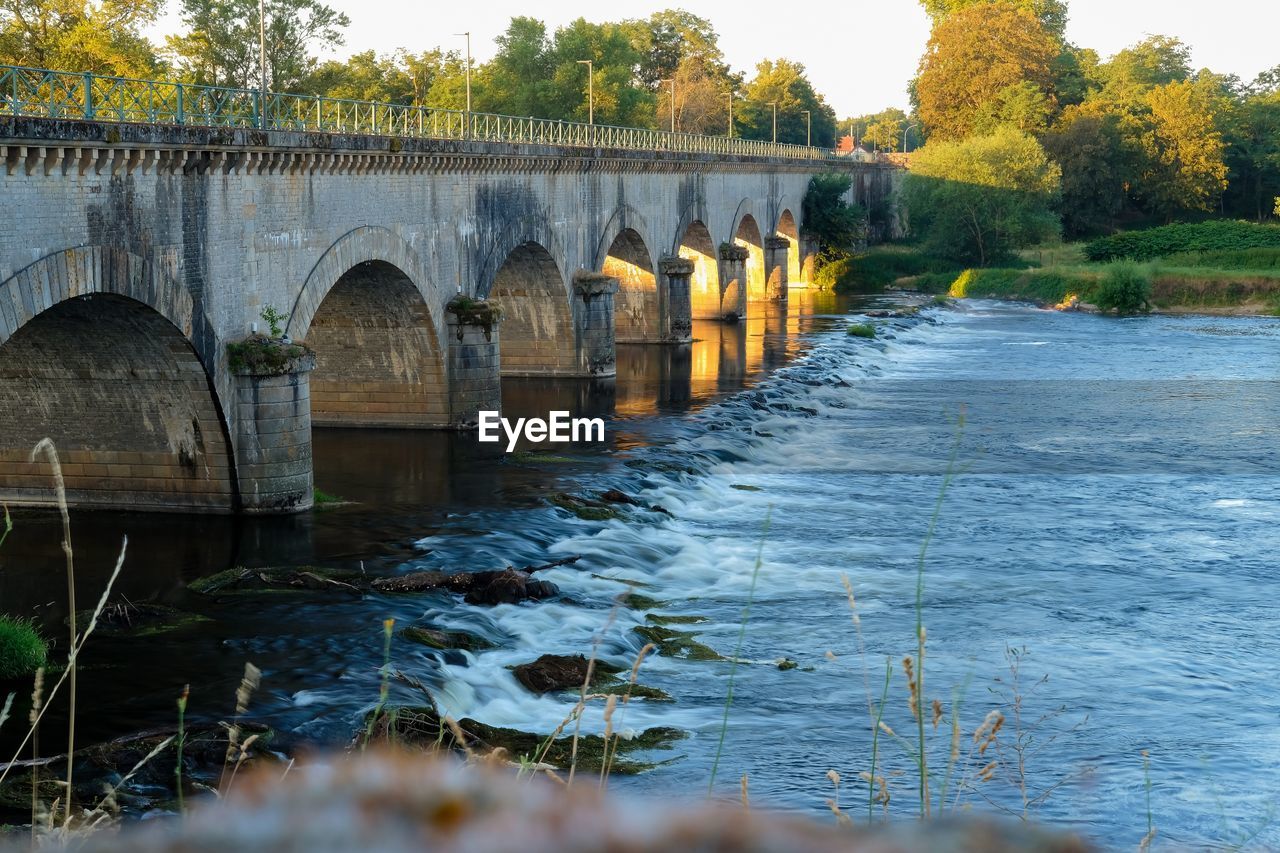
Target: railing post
[[88, 96], [182, 106], [255, 100]]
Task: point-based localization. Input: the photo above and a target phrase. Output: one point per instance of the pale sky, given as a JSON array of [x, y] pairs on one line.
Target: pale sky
[[859, 54]]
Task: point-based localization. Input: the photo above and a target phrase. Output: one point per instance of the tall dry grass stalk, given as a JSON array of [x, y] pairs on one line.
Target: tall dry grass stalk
[[249, 683], [606, 766], [45, 446], [737, 649]]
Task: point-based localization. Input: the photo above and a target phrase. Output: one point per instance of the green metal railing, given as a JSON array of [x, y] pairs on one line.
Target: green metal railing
[[41, 93]]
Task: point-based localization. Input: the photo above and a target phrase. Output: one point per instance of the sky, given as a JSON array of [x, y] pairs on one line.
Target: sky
[[859, 54]]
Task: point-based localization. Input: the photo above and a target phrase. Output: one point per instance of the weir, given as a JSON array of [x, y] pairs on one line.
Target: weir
[[419, 270]]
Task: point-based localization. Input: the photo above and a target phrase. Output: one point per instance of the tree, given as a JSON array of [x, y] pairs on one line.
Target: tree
[[1185, 168], [701, 105], [1252, 138], [517, 81], [1051, 13], [364, 77], [829, 220], [883, 135], [1096, 168], [1154, 61], [79, 35], [618, 100], [785, 82], [976, 200], [1024, 106], [221, 46], [667, 39], [974, 55]]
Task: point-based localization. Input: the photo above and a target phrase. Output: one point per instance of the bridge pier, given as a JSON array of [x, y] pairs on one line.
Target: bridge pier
[[273, 447], [593, 320], [673, 300], [475, 383], [775, 267], [733, 271]]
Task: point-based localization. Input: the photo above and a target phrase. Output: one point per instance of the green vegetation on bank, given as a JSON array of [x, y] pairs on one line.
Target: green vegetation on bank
[[22, 649], [1232, 244], [1225, 276]]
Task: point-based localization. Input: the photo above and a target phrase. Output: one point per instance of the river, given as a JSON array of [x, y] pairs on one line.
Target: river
[[1114, 512]]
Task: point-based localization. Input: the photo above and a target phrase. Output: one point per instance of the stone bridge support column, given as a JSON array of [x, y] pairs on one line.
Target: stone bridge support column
[[273, 426], [674, 307], [593, 321], [775, 267], [733, 275], [473, 365]]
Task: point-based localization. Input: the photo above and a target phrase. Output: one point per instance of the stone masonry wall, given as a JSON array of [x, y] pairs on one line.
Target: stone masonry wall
[[125, 401]]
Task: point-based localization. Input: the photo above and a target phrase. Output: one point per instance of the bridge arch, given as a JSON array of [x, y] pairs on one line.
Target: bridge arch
[[790, 231], [358, 246], [695, 244], [537, 335], [637, 309], [747, 235], [108, 356]]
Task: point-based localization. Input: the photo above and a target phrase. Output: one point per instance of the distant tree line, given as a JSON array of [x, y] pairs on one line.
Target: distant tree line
[[1027, 133], [535, 72]]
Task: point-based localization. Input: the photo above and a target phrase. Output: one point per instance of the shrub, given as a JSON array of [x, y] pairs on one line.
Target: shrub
[[1227, 259], [1044, 286], [876, 269], [1213, 236], [1125, 288], [22, 651], [833, 275], [862, 330]]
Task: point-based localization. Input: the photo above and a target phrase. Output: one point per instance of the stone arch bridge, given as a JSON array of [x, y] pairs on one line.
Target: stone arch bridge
[[133, 256]]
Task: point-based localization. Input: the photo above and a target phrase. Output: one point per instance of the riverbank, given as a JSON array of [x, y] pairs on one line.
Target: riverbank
[[1242, 281]]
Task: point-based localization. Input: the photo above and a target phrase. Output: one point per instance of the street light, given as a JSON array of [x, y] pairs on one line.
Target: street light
[[591, 90], [808, 127], [730, 94], [262, 45], [672, 81], [914, 124], [468, 36], [774, 104]]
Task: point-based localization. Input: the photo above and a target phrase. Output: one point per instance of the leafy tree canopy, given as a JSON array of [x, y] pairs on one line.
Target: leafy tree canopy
[[79, 35], [973, 57]]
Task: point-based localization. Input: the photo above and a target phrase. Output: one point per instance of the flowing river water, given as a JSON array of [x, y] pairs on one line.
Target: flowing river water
[[1115, 513]]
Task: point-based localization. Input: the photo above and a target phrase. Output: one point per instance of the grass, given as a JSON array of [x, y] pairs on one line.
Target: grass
[[22, 649], [1246, 280], [861, 330], [321, 498]]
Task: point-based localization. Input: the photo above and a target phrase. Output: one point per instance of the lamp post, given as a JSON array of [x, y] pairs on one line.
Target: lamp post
[[730, 94], [591, 90], [262, 45], [808, 127], [672, 81], [905, 130], [468, 37], [774, 104]]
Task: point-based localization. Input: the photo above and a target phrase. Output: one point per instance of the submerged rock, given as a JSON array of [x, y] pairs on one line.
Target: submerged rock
[[241, 579], [436, 638], [423, 728], [138, 620], [153, 786], [561, 672], [676, 644], [507, 586]]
